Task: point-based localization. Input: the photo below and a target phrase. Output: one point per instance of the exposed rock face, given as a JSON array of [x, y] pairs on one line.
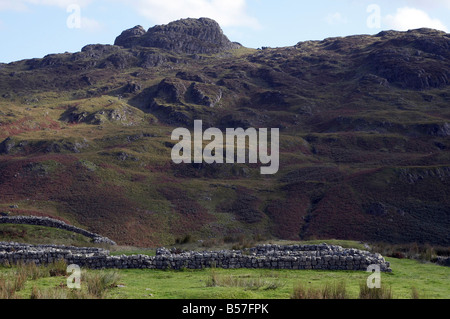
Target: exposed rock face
[[191, 36], [171, 90], [424, 39], [150, 59], [7, 145], [203, 94], [95, 51], [132, 87], [130, 37], [401, 67], [413, 175], [441, 130], [417, 59]]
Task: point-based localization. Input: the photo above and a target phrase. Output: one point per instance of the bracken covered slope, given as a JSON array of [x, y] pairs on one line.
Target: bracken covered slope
[[364, 124]]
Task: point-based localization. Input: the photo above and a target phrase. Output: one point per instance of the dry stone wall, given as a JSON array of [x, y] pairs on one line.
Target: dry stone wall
[[54, 223], [324, 257]]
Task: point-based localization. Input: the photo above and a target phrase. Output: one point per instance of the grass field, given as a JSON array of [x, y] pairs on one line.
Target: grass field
[[36, 235], [428, 280]]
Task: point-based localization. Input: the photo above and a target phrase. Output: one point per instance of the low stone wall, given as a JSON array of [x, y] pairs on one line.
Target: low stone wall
[[322, 257], [54, 223], [12, 247]]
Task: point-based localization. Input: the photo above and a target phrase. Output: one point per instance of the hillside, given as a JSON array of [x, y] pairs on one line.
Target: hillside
[[364, 123]]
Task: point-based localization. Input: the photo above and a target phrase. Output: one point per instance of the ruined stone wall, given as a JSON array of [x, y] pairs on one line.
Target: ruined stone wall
[[324, 257], [54, 223]]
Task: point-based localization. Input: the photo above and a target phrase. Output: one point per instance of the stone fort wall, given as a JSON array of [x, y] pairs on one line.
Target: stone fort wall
[[324, 257], [54, 223]]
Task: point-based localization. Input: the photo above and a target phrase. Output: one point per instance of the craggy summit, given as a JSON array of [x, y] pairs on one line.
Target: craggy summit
[[191, 36]]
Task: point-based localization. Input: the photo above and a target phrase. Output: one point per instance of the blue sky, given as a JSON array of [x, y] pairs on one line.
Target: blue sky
[[35, 28]]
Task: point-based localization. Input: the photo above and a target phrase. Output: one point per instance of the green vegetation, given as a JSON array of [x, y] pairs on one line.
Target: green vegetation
[[245, 282], [36, 282], [336, 290], [30, 234], [424, 253], [409, 279], [380, 293], [98, 283], [14, 279]]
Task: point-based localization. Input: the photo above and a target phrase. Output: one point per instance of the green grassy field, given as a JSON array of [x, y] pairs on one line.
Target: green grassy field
[[36, 235], [429, 280]]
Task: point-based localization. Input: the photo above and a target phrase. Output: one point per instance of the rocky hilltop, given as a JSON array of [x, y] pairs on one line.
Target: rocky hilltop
[[191, 36], [364, 123]]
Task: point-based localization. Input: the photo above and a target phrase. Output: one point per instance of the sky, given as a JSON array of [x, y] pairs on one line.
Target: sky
[[35, 28]]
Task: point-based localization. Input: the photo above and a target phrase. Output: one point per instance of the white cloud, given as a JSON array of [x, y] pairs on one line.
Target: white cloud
[[430, 3], [226, 12], [411, 18], [12, 5], [90, 25], [21, 5], [335, 19], [86, 24]]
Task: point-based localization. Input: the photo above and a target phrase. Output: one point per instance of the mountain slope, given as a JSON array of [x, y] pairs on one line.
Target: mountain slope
[[364, 142]]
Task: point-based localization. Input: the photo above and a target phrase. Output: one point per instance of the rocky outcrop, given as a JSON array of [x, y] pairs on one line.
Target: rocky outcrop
[[423, 39], [417, 59], [191, 36], [7, 145], [120, 60], [413, 175], [204, 94], [120, 114], [433, 129], [153, 59], [95, 51], [401, 67], [130, 37], [132, 87], [171, 90]]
